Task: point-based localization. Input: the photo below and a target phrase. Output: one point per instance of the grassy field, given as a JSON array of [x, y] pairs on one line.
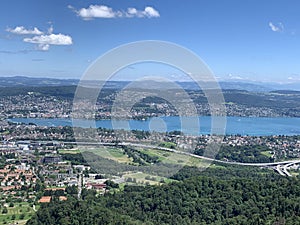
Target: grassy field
[[167, 164], [20, 213], [266, 153], [112, 153], [173, 158], [144, 178], [118, 155], [69, 151], [164, 157], [294, 172]]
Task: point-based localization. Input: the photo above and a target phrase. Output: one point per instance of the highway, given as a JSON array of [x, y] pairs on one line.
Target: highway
[[278, 169], [285, 167], [281, 167], [289, 162]]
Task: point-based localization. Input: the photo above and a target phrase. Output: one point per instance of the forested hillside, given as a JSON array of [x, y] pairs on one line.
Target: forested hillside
[[218, 196]]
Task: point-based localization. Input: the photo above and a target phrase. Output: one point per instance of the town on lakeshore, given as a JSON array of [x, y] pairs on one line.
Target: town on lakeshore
[[149, 112], [40, 163], [57, 102], [43, 164]]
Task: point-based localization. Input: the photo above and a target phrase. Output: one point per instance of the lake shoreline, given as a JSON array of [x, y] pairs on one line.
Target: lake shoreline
[[252, 126]]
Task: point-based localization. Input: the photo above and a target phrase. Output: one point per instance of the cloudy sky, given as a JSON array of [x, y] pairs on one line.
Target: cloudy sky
[[238, 40]]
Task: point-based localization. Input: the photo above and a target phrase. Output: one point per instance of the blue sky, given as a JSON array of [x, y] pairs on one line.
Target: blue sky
[[239, 40]]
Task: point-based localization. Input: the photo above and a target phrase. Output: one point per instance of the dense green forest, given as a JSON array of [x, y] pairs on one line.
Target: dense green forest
[[219, 195], [245, 154]]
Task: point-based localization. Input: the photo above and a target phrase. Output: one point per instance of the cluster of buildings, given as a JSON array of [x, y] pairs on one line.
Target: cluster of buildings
[[50, 139], [280, 146], [34, 105], [59, 173], [31, 154], [45, 168], [15, 176], [247, 111], [11, 133]]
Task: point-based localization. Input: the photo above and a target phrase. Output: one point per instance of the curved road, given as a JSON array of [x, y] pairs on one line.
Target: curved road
[[280, 167], [289, 162]]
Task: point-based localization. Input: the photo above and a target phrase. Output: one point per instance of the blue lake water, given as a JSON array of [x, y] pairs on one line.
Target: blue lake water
[[254, 126]]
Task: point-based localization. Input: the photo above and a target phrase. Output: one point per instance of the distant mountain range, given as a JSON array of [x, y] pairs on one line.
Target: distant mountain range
[[19, 81], [23, 81]]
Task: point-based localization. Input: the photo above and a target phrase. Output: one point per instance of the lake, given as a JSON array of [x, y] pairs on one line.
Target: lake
[[254, 126]]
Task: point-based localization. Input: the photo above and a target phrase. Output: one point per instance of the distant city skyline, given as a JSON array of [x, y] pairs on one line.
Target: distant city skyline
[[238, 40]]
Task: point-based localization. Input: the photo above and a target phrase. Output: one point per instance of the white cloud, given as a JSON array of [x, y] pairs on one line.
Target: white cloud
[[102, 11], [44, 41], [51, 39], [50, 30], [98, 11], [23, 31], [147, 12], [43, 47], [151, 12], [276, 28], [131, 12]]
